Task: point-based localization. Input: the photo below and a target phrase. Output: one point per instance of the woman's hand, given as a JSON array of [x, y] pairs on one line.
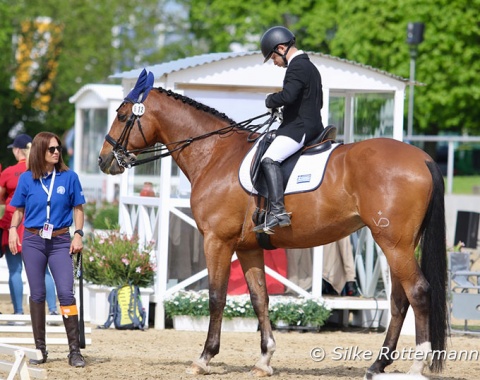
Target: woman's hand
[[13, 240], [77, 244]]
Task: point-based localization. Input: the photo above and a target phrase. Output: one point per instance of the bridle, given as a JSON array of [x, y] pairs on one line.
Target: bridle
[[127, 159]]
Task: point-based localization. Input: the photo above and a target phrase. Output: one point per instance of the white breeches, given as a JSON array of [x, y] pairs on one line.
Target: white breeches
[[282, 147]]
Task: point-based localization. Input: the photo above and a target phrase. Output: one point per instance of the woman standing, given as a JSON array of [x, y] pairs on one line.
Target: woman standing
[[50, 197], [8, 183]]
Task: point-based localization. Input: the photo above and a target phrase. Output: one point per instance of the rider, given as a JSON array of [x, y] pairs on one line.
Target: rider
[[302, 100]]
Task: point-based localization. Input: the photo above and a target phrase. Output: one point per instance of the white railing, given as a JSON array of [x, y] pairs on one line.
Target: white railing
[[451, 140]]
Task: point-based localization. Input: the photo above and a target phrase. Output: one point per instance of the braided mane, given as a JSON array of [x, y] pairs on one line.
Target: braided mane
[[197, 105]]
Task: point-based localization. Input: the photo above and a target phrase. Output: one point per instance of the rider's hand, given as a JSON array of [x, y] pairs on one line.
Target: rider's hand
[[266, 100], [277, 112]]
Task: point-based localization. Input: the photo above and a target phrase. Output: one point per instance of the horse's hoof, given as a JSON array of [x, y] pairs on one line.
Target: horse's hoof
[[198, 369], [261, 372], [368, 375]]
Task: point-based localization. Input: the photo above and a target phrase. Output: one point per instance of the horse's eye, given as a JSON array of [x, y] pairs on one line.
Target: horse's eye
[[121, 117]]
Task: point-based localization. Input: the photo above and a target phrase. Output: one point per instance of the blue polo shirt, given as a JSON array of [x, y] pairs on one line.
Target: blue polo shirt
[[30, 195]]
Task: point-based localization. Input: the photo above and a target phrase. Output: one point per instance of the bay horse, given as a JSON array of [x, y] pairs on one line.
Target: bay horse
[[393, 188]]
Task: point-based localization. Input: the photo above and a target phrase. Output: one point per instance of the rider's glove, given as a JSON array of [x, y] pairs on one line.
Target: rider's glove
[[277, 112]]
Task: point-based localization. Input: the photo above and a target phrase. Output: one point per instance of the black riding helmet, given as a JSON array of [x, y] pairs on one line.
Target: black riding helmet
[[274, 37]]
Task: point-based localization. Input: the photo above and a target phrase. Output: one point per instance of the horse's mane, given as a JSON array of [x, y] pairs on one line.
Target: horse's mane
[[197, 105]]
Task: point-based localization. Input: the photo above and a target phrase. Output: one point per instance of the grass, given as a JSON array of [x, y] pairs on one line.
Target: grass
[[465, 184], [470, 328]]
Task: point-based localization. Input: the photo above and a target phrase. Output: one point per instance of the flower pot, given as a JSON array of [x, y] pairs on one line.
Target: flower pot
[[189, 323], [145, 294], [99, 306], [281, 324], [147, 190], [239, 324]]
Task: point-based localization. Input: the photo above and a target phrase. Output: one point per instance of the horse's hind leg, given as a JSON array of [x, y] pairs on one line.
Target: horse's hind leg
[[408, 286], [253, 268]]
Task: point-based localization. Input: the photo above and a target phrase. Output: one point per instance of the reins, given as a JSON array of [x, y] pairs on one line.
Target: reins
[[124, 157]]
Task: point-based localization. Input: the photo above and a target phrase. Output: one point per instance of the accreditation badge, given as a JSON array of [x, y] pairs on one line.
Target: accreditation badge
[[47, 231]]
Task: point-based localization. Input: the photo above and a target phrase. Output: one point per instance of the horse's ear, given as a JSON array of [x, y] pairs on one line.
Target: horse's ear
[[136, 95], [142, 78], [150, 79]]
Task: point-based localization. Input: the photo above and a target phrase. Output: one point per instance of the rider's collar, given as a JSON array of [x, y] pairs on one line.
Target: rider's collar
[[297, 53]]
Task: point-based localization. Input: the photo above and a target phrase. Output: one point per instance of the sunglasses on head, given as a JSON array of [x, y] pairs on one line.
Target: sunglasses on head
[[52, 149]]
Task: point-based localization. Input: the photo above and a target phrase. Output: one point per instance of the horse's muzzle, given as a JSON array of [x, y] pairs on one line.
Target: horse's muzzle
[[109, 165]]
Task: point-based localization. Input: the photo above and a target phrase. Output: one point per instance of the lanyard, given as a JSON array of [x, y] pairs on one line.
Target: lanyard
[[49, 192]]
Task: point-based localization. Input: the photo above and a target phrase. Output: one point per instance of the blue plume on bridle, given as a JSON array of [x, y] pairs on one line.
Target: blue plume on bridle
[[142, 87]]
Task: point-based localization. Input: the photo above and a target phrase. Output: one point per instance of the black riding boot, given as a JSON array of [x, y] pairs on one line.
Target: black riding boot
[[75, 358], [37, 316], [277, 215]]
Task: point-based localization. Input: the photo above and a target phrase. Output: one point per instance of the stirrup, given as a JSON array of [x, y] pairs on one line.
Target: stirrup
[[278, 221], [270, 231]]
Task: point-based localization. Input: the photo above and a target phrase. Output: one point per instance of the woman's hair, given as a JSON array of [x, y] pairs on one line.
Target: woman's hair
[[36, 160]]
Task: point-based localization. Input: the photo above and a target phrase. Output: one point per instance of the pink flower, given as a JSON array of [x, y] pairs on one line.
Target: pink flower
[[125, 261]]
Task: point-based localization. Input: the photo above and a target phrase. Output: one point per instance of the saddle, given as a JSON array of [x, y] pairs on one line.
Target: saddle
[[320, 144]]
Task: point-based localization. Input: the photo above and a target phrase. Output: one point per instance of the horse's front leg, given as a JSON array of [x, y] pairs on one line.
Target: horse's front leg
[[218, 259], [254, 270]]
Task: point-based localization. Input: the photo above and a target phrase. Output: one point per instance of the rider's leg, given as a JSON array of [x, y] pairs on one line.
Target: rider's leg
[[280, 149]]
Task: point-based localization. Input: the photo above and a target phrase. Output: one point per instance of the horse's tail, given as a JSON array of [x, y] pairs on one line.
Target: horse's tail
[[434, 265]]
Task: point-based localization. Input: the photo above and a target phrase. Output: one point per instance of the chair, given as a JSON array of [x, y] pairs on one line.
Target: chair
[[464, 293]]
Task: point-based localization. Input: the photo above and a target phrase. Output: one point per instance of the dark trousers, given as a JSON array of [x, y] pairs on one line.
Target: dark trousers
[[37, 253]]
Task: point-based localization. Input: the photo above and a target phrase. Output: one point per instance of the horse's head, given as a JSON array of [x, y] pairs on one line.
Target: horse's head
[[126, 137]]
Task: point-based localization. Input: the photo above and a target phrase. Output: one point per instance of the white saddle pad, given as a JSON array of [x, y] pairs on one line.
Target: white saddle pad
[[307, 174]]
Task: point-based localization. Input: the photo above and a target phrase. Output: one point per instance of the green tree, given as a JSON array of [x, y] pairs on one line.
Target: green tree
[[97, 39], [371, 32]]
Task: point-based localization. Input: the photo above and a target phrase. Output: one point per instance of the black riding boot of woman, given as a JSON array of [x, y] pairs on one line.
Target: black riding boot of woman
[[75, 358], [37, 315]]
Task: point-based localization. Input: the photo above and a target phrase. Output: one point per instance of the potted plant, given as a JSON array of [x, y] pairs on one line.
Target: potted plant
[[287, 312], [315, 314], [189, 310], [113, 259], [192, 308]]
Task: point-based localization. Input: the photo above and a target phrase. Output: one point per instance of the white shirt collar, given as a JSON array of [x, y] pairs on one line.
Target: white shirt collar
[[298, 52]]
